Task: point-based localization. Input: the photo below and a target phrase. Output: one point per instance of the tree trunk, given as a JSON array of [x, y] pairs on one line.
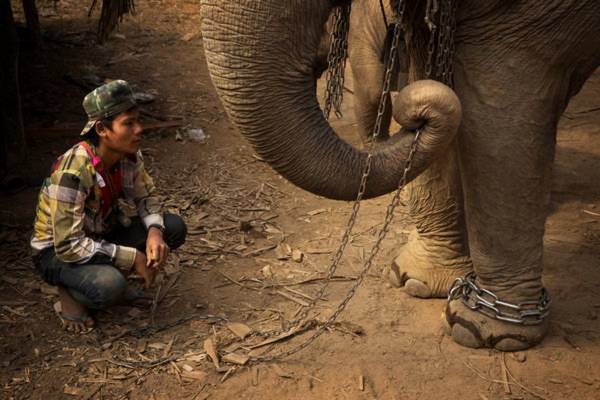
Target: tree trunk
[[33, 22], [12, 139]]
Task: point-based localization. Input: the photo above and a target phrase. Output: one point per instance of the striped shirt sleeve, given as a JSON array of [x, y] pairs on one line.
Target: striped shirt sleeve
[[147, 204], [68, 190]]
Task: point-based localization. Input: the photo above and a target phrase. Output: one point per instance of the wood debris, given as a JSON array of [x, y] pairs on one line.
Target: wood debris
[[297, 255], [194, 375], [292, 298], [504, 377], [317, 211], [235, 358], [280, 372], [211, 350], [72, 390], [239, 329], [294, 331]]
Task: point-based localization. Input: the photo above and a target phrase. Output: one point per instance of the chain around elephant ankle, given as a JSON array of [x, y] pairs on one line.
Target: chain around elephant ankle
[[488, 303]]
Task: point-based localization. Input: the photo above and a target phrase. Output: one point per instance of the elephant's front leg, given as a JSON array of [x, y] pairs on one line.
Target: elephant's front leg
[[507, 152], [437, 252], [368, 84]]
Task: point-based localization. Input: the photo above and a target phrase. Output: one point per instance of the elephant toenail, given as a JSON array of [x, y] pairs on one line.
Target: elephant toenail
[[465, 337], [511, 344], [417, 288]]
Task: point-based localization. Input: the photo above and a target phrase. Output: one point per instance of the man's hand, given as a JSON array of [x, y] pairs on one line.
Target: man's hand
[[156, 248], [141, 268]]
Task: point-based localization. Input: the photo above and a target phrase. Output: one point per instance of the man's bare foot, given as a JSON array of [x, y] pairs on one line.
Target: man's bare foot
[[73, 315]]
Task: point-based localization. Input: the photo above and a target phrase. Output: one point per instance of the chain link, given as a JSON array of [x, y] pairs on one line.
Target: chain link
[[336, 61], [441, 20], [338, 51], [487, 302]]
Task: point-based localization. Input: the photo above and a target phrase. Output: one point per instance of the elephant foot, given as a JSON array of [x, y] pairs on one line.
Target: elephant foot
[[426, 271], [473, 329]]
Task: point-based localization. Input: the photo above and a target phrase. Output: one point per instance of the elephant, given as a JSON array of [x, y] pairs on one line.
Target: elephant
[[371, 24], [368, 38], [481, 205]]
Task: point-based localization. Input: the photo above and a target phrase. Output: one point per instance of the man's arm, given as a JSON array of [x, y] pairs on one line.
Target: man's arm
[[68, 191], [147, 204]]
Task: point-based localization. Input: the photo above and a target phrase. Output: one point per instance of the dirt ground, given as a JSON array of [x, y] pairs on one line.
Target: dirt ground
[[387, 345]]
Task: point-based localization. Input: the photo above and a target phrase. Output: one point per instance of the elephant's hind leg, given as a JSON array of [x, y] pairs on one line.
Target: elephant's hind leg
[[436, 253]]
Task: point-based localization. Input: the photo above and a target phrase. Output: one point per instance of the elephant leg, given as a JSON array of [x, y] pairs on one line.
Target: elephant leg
[[508, 149], [437, 252], [368, 84]]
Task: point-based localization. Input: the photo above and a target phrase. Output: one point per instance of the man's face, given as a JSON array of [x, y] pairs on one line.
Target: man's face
[[125, 135]]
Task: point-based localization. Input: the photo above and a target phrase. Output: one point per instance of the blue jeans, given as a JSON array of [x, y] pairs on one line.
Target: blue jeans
[[98, 284]]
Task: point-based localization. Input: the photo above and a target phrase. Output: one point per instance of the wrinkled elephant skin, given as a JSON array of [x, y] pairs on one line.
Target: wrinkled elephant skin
[[484, 201]]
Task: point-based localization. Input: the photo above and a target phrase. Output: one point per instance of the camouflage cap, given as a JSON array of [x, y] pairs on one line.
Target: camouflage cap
[[106, 101]]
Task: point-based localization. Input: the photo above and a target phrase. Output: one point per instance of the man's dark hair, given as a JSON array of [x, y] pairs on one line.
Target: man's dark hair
[[92, 135]]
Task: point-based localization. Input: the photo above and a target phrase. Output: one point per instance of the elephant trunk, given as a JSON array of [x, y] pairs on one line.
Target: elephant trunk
[[261, 59]]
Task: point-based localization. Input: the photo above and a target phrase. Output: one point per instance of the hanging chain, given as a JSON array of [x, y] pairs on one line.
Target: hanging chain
[[336, 61], [444, 45], [440, 49], [382, 233], [355, 208]]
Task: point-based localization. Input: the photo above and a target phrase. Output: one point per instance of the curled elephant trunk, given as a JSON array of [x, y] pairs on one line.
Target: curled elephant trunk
[[261, 59]]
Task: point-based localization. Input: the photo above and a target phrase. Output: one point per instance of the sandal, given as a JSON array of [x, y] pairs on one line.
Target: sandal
[[83, 320]]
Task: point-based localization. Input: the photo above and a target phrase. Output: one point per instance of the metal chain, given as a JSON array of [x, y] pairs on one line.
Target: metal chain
[[487, 302], [355, 208], [367, 170], [430, 11], [445, 45], [382, 233], [336, 61], [440, 48]]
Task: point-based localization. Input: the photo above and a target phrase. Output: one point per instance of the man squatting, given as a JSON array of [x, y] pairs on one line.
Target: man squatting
[[83, 242]]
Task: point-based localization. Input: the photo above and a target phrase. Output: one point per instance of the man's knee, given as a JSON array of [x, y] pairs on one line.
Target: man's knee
[[107, 287], [175, 230]]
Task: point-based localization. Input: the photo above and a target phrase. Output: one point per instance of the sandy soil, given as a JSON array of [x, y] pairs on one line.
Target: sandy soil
[[387, 345]]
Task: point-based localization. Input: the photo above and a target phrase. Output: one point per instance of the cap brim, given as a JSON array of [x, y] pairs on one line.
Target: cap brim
[[89, 126]]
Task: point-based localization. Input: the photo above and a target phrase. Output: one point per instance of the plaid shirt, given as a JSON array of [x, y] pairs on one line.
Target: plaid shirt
[[69, 216]]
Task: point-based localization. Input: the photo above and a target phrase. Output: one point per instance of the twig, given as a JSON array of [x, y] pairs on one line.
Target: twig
[[225, 228], [155, 303], [299, 293], [236, 282], [518, 383], [335, 278], [93, 392], [169, 285], [292, 298], [229, 372], [259, 251], [504, 375], [479, 374]]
